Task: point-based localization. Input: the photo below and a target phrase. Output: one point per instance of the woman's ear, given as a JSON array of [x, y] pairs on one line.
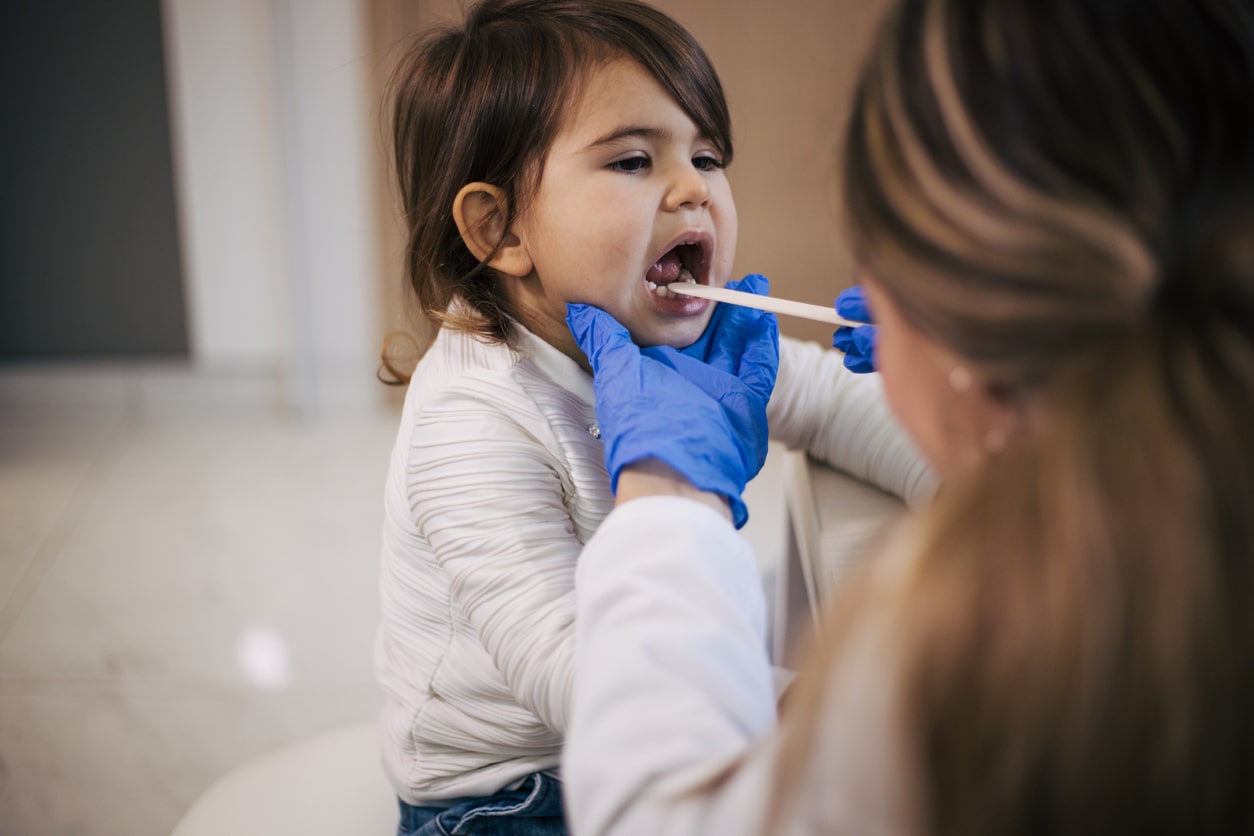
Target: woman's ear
[[1005, 415], [480, 210]]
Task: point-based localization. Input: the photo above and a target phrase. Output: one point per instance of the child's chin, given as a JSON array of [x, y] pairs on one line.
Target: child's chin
[[675, 342], [651, 335]]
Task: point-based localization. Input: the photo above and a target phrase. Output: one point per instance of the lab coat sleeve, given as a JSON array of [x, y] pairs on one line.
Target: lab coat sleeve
[[673, 681], [843, 419], [673, 729]]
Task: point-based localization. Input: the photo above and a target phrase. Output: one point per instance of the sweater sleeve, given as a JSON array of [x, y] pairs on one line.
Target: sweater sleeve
[[842, 418], [490, 498]]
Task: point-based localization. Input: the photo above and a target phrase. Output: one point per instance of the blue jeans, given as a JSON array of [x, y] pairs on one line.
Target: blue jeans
[[534, 809]]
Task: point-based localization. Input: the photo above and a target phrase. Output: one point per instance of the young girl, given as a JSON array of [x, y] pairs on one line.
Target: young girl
[[548, 151]]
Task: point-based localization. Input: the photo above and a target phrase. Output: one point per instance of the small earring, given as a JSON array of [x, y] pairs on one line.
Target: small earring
[[995, 441], [959, 379]]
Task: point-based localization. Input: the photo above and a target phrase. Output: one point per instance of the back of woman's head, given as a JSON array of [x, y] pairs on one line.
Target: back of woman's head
[[1028, 180], [1062, 193], [483, 101]]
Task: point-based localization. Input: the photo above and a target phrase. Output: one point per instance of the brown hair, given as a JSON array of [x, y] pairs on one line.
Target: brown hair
[[483, 102], [1062, 193]]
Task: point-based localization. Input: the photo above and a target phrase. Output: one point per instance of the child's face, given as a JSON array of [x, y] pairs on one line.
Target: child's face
[[631, 193]]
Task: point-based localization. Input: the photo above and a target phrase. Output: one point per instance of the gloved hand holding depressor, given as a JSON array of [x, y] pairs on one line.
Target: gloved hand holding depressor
[[705, 420], [724, 334], [741, 341], [858, 344]]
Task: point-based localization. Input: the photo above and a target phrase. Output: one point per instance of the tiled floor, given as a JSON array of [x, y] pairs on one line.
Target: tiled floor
[[187, 581]]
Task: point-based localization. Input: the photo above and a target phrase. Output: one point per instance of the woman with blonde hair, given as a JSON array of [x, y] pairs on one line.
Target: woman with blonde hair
[[1052, 205]]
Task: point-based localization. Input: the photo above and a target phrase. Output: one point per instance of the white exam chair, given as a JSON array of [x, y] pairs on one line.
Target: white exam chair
[[329, 785]]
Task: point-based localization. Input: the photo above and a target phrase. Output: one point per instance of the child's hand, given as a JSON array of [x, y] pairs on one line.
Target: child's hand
[[706, 420], [858, 344]]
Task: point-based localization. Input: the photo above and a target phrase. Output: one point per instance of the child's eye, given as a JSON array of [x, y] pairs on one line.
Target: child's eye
[[707, 162], [630, 164]]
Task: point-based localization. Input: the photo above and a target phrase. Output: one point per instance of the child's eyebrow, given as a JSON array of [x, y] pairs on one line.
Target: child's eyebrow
[[630, 132]]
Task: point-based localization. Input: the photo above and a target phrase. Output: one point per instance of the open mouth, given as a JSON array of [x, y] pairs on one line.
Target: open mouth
[[685, 262]]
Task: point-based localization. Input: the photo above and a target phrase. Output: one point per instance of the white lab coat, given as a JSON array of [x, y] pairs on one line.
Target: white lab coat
[[673, 686]]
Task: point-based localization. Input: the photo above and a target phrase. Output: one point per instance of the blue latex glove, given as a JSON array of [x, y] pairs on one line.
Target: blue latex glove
[[705, 420], [728, 322], [857, 343]]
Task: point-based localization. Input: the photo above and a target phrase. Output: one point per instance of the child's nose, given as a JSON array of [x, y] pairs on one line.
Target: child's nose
[[689, 189]]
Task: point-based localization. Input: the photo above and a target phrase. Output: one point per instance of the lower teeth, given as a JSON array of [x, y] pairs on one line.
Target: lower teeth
[[685, 277]]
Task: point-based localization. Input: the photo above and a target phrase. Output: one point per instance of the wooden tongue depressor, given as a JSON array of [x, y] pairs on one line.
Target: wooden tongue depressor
[[818, 313]]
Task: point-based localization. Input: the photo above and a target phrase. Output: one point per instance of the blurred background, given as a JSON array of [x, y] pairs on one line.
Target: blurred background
[[200, 261]]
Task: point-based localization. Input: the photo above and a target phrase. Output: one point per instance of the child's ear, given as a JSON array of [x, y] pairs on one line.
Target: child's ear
[[480, 210]]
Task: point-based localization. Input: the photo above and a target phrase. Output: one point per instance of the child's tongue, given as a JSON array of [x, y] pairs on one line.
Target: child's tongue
[[666, 270]]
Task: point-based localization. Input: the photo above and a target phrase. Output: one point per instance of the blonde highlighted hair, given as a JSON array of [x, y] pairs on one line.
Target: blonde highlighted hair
[[1062, 193]]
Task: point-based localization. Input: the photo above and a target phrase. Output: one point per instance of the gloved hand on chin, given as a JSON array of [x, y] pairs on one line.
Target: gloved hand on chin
[[701, 411], [858, 343]]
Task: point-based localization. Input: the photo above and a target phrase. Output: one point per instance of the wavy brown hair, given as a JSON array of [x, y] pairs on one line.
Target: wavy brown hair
[[1062, 193], [482, 101]]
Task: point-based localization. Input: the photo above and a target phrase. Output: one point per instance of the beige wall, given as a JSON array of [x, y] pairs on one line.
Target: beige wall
[[788, 68]]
